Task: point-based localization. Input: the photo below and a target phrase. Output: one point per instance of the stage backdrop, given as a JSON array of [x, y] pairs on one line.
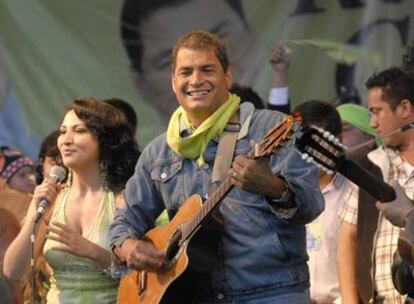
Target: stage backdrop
[[52, 51]]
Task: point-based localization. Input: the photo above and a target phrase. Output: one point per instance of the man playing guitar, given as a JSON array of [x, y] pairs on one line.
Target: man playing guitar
[[261, 253]]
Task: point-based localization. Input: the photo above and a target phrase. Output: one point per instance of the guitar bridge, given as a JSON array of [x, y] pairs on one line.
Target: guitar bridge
[[141, 281]]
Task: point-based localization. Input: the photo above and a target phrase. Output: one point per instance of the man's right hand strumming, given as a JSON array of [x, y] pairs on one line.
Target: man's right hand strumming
[[140, 255]]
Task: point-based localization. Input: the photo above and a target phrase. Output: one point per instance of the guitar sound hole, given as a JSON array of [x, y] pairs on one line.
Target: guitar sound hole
[[173, 248]]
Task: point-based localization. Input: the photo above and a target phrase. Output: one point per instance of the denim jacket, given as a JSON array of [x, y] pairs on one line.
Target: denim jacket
[[259, 250]]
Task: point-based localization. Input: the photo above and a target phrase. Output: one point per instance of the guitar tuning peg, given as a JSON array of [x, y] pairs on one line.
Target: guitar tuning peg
[[336, 141], [305, 156], [328, 171], [343, 146], [318, 128], [326, 134], [331, 137], [309, 159]]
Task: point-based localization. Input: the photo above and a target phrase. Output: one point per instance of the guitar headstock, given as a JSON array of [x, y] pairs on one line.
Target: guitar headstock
[[275, 137], [320, 147]]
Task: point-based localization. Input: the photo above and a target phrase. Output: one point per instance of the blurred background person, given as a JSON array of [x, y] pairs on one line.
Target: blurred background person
[[357, 130], [17, 170], [322, 233], [48, 156], [12, 200]]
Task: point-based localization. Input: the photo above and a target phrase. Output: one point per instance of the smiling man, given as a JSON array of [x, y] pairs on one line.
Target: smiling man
[[261, 253], [149, 29]]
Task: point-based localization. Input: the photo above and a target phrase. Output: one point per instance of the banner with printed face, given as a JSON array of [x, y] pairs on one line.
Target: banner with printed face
[[52, 51]]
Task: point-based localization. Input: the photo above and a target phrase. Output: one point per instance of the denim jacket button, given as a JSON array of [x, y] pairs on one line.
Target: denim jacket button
[[206, 166], [220, 296], [163, 175]]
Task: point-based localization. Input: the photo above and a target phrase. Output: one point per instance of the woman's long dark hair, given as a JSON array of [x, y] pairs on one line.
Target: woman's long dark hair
[[118, 148]]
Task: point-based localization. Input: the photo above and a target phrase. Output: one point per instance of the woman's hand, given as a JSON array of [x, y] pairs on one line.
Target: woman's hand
[[46, 190], [70, 240], [140, 255], [74, 243]]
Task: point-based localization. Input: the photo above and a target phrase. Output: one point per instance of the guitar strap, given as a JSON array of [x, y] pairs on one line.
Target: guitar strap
[[205, 257], [225, 150]]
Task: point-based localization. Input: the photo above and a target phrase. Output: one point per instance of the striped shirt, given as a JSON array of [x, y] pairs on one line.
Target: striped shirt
[[386, 236]]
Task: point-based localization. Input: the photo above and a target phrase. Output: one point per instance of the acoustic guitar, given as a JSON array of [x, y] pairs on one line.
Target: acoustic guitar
[[176, 237]]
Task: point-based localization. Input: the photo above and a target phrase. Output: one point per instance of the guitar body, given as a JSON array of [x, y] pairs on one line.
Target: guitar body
[[153, 287]]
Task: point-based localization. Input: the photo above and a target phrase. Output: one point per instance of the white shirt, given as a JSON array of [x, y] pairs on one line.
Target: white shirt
[[322, 239]]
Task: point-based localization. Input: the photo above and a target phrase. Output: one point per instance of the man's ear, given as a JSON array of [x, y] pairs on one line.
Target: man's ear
[[229, 78], [172, 83], [405, 109]]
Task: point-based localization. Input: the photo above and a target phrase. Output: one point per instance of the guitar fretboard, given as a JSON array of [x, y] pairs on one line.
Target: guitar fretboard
[[215, 198]]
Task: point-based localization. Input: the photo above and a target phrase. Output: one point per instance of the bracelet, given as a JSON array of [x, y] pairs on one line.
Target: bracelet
[[284, 198], [117, 269], [116, 272]]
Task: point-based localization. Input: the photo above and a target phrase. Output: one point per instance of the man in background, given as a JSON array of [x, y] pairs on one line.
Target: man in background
[[261, 253], [367, 253]]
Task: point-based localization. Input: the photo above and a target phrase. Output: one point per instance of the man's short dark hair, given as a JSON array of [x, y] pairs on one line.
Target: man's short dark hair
[[201, 41], [396, 85], [322, 114], [135, 12]]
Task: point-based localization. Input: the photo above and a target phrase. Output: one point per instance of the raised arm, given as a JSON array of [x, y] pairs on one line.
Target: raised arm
[[278, 95], [17, 256]]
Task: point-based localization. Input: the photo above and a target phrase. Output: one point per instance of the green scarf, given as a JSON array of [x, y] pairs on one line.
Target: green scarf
[[194, 145]]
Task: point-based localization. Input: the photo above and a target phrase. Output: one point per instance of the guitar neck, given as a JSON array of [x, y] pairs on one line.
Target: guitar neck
[[366, 180], [216, 197]]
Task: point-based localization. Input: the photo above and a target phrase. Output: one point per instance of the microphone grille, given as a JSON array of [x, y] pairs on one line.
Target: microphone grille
[[57, 173]]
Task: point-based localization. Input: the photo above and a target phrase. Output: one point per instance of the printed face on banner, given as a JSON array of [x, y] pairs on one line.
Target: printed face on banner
[[160, 31]]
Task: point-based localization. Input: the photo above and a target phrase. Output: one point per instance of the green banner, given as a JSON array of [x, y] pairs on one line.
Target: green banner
[[53, 51]]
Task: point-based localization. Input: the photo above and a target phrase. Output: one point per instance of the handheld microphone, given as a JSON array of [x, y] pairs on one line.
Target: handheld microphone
[[56, 174]]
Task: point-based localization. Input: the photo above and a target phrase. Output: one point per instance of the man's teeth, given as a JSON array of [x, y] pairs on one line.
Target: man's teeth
[[198, 93]]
